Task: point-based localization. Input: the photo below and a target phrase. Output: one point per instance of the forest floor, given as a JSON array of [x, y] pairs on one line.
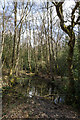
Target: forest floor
[[16, 105]]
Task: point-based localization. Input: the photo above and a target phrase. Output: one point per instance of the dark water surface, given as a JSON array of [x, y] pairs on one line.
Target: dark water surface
[[36, 86]]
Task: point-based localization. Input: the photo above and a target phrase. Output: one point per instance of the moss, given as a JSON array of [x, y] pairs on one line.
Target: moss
[[12, 80]]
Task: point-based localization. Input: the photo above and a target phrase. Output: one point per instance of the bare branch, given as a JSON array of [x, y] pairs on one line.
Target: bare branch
[[76, 6], [23, 15]]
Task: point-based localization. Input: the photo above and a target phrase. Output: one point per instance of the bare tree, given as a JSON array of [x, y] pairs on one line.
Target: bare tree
[[49, 44], [18, 43], [35, 48], [52, 50], [68, 30], [3, 31], [15, 37]]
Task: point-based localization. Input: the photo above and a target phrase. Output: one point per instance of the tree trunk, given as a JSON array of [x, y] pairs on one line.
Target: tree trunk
[[13, 62], [71, 87], [29, 48], [70, 66], [79, 49], [17, 53], [14, 43], [49, 44], [2, 42], [53, 60], [35, 49], [68, 30]]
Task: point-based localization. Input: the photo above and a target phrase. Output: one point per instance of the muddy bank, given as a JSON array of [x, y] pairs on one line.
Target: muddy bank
[[15, 105]]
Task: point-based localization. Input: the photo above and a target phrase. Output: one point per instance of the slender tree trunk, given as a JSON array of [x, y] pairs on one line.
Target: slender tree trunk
[[18, 43], [49, 40], [14, 43], [2, 42], [35, 54], [56, 56], [28, 45], [49, 44], [41, 47], [17, 53], [35, 51], [13, 62], [46, 43], [47, 54], [1, 52], [29, 49], [79, 49], [53, 60]]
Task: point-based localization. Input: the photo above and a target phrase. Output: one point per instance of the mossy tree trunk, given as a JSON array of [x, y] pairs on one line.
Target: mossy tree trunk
[[79, 48], [68, 30], [71, 87], [13, 62]]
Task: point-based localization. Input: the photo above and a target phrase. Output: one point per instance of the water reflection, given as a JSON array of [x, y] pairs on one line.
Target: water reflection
[[39, 87]]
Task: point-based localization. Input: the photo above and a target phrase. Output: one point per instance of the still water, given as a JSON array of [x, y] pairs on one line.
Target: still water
[[36, 86]]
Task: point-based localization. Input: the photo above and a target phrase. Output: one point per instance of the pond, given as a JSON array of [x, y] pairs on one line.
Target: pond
[[37, 86]]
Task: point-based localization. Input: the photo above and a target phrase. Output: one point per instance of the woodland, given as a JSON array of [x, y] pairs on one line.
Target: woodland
[[40, 59]]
